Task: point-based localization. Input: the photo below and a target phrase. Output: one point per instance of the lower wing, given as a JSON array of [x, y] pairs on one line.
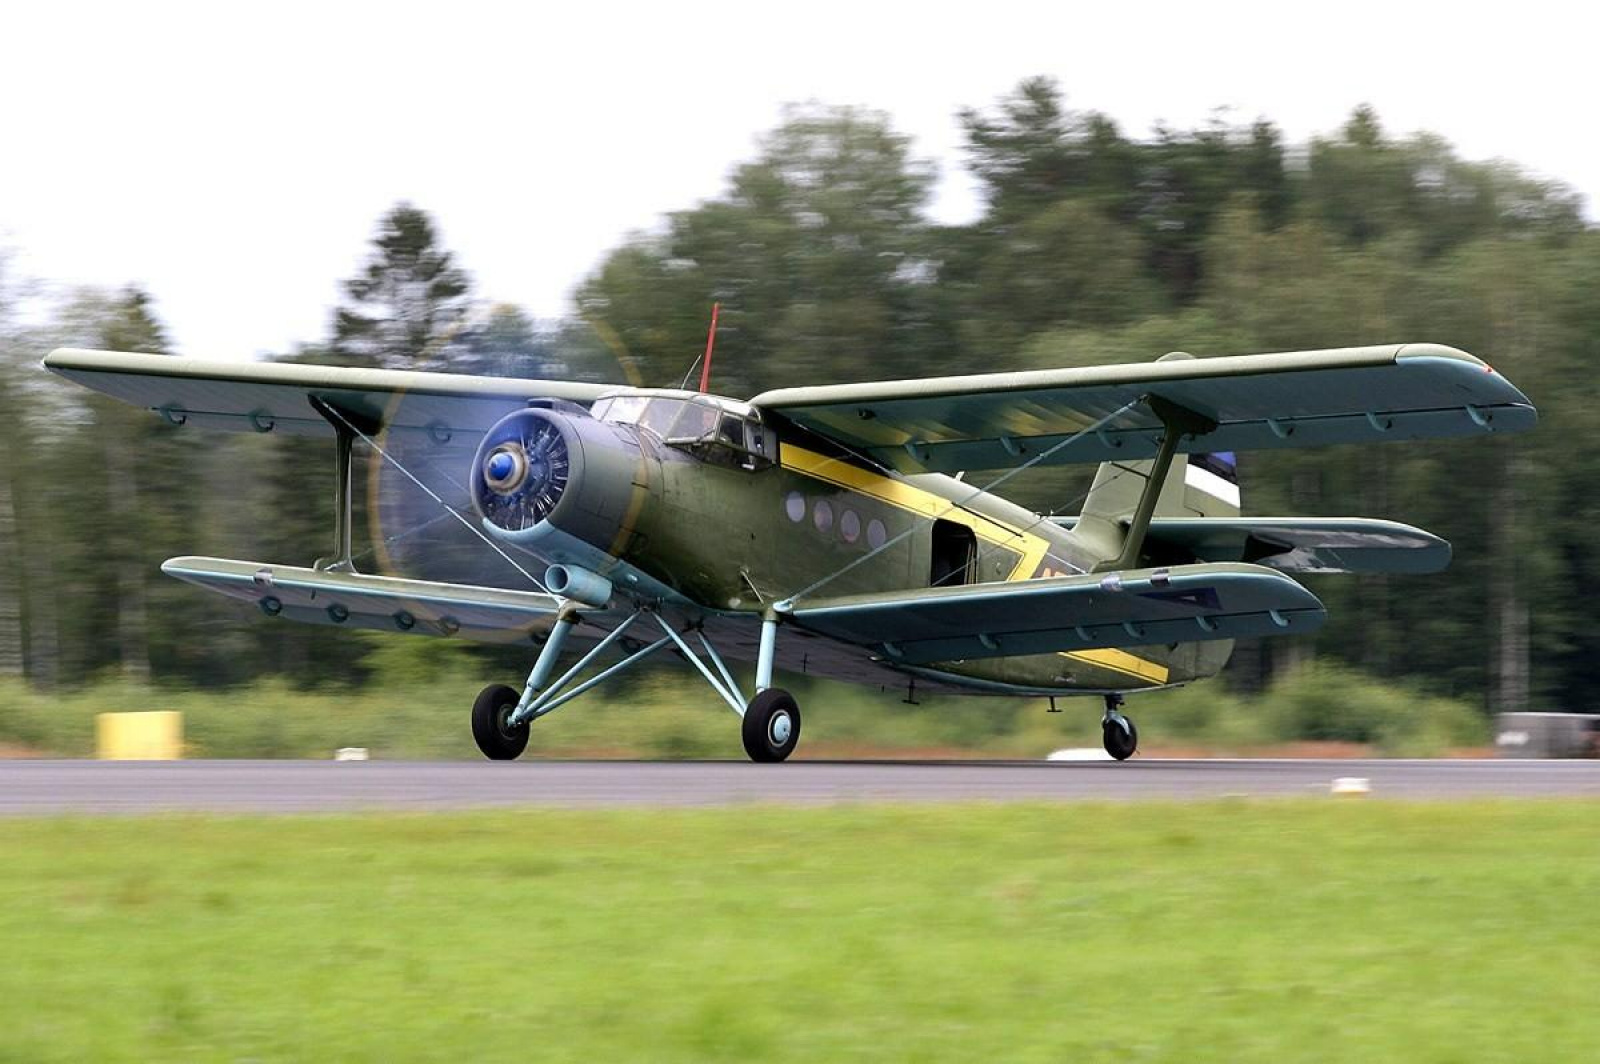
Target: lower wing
[[1183, 604], [354, 600]]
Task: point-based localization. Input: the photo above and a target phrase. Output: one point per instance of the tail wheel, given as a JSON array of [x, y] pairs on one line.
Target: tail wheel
[[496, 736], [771, 727]]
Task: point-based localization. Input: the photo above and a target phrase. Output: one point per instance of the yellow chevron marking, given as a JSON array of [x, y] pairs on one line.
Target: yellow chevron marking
[[1029, 548], [1121, 661]]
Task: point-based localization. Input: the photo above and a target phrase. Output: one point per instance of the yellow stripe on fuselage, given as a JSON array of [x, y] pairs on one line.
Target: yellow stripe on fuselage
[[1121, 661], [904, 496]]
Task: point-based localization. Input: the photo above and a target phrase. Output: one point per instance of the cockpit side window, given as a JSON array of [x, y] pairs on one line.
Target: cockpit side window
[[695, 423], [713, 433], [714, 430], [660, 415]]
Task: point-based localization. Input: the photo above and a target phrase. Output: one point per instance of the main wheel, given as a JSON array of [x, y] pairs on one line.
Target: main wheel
[[1120, 736], [771, 725], [497, 737]]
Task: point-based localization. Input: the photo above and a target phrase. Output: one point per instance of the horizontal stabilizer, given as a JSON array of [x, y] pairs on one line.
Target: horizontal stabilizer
[[355, 600], [1292, 399], [1298, 544], [1183, 604], [276, 396]]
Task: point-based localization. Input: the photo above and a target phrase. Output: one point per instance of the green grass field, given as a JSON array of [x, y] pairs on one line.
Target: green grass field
[[1223, 931]]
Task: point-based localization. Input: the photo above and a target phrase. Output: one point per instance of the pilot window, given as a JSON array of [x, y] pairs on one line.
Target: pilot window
[[660, 415], [714, 430], [694, 423], [721, 436]]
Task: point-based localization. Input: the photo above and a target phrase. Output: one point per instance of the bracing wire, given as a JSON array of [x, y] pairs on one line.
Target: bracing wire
[[370, 442], [404, 533], [960, 503], [1047, 517]]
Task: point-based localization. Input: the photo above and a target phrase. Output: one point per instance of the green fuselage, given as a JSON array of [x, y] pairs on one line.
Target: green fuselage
[[739, 537]]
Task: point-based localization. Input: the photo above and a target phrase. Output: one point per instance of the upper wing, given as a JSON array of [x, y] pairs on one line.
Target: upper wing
[[276, 396], [1299, 399], [1186, 603], [1300, 544]]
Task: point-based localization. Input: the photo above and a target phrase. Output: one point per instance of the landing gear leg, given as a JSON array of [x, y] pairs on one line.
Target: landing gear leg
[[1117, 731], [771, 728], [500, 718], [771, 725]]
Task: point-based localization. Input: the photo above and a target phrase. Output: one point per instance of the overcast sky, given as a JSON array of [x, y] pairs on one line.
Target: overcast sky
[[234, 158]]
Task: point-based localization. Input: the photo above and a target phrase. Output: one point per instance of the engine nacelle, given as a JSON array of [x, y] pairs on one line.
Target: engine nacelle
[[559, 484]]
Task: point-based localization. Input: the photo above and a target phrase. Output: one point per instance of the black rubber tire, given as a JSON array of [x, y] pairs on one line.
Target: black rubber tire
[[1119, 744], [765, 711], [497, 740]]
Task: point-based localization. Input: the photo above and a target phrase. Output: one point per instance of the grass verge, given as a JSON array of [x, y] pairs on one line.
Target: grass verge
[[1221, 931], [421, 711]]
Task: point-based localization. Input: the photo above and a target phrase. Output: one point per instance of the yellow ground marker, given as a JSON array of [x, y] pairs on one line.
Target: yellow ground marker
[[154, 736]]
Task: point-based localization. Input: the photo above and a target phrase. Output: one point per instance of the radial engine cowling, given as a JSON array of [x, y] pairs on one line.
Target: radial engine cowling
[[557, 483]]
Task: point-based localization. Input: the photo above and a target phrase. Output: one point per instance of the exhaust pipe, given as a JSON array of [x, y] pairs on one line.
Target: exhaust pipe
[[579, 585]]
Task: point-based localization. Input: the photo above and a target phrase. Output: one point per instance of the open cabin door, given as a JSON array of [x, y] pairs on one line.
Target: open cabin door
[[954, 555]]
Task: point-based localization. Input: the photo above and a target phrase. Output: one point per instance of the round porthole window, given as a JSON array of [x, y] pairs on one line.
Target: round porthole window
[[850, 526], [877, 535], [794, 504], [822, 515]]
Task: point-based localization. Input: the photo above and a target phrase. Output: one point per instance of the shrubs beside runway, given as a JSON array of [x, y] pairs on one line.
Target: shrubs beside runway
[[1238, 931], [421, 713]]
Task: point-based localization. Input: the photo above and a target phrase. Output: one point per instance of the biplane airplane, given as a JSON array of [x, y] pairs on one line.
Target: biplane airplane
[[831, 530]]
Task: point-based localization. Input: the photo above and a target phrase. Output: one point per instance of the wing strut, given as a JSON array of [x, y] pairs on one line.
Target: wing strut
[[344, 440], [1177, 422], [365, 430]]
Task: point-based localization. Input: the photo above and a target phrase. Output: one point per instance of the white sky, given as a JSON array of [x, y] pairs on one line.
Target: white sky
[[234, 158]]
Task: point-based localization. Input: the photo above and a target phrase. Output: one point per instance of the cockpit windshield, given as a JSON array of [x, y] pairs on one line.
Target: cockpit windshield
[[622, 409], [713, 429]]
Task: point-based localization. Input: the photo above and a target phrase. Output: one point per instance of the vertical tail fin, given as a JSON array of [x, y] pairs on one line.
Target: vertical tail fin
[[1210, 486], [1207, 485]]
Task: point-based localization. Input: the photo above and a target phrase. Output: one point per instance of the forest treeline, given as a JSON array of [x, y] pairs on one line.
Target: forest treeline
[[1092, 246]]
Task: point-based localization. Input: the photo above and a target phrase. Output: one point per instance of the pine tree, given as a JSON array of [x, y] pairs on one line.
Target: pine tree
[[408, 301]]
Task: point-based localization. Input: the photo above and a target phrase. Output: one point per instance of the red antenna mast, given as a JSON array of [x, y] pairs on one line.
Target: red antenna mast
[[711, 340]]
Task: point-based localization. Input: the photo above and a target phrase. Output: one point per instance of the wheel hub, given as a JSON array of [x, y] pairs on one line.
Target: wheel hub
[[504, 721], [780, 729]]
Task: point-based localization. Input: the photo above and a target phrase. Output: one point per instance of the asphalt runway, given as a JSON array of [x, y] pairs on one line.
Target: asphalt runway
[[32, 787]]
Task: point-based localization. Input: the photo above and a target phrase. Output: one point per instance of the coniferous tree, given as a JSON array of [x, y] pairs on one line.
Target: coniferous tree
[[408, 302]]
